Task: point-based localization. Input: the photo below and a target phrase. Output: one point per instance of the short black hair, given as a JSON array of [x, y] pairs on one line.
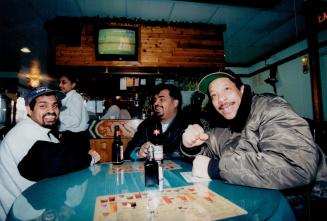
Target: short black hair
[[174, 92]]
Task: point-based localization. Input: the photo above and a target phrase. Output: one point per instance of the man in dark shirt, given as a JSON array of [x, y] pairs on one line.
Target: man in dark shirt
[[167, 107]]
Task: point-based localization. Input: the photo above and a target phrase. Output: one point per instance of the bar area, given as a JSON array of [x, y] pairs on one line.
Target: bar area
[[162, 53], [163, 110]]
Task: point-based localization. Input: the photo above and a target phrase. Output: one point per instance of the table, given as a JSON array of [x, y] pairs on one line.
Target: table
[[73, 196]]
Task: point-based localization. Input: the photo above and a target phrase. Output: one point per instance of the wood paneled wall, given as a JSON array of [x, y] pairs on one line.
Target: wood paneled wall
[[181, 47], [159, 46]]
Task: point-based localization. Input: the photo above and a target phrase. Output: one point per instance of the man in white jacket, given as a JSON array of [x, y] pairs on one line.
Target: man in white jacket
[[30, 152]]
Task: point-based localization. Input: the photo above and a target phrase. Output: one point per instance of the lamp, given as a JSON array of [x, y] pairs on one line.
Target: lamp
[[25, 50], [305, 64], [34, 73], [34, 82]]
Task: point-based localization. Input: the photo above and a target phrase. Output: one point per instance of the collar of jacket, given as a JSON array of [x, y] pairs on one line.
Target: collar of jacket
[[237, 124], [176, 122]]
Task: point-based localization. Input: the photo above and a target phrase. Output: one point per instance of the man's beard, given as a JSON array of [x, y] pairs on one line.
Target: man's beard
[[51, 126]]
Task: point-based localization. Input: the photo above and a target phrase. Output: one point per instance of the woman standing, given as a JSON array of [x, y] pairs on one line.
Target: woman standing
[[73, 115]]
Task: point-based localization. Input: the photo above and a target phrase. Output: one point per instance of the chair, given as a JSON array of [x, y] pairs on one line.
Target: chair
[[304, 207], [318, 206], [320, 135], [300, 201]]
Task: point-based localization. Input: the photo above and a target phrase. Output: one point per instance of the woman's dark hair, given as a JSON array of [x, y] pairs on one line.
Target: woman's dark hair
[[72, 77]]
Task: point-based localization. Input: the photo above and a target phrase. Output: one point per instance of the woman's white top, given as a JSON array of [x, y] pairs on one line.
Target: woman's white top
[[73, 115]]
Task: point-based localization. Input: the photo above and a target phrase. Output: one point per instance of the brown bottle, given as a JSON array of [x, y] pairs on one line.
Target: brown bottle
[[157, 143], [117, 147], [158, 152], [151, 169]]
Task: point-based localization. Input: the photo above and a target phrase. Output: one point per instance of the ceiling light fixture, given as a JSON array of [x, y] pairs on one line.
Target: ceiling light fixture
[[25, 50], [34, 83], [34, 73]]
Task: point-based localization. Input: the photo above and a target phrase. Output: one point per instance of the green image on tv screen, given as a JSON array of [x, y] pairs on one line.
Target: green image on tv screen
[[116, 41]]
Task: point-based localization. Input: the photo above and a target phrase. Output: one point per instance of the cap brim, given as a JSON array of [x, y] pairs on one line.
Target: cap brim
[[204, 83]]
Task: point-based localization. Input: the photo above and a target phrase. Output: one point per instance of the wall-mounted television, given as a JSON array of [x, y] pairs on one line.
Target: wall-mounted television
[[116, 43]]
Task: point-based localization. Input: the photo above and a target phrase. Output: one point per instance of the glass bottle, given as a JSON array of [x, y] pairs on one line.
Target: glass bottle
[[117, 147], [151, 169], [137, 107], [144, 115], [158, 151], [157, 142]]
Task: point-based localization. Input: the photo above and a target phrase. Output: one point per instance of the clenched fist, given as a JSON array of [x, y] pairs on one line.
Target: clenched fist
[[194, 135]]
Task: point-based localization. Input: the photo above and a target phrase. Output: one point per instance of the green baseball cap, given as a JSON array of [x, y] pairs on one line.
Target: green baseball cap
[[204, 83]]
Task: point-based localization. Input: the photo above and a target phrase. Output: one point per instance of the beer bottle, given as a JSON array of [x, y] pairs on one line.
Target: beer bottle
[[158, 152], [157, 142], [117, 147], [151, 169]]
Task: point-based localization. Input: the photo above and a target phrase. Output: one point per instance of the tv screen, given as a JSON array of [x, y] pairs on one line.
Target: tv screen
[[117, 43]]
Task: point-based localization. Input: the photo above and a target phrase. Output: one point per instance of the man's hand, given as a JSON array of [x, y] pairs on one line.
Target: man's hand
[[194, 136], [143, 152], [200, 166], [95, 156]]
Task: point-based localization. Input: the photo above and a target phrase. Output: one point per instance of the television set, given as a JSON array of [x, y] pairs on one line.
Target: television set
[[116, 43]]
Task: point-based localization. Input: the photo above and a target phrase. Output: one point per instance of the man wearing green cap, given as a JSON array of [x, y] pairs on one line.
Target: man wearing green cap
[[263, 143]]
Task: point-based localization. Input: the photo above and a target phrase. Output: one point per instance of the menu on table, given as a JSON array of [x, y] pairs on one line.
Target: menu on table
[[195, 202]]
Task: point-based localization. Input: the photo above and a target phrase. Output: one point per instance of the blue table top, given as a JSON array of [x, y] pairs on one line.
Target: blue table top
[[73, 196]]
